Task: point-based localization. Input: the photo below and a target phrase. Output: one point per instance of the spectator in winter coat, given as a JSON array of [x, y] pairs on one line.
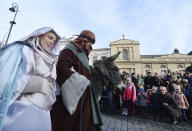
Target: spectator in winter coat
[[134, 80], [156, 102], [155, 80], [169, 106], [149, 92], [174, 82], [188, 76], [187, 88], [181, 101], [129, 96], [141, 101], [148, 81]]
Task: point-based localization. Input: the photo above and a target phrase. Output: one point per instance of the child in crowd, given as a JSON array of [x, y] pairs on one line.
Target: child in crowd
[[155, 102], [141, 101], [181, 101], [129, 96], [149, 92]]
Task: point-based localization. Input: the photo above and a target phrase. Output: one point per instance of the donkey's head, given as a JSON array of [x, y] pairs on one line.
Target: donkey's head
[[107, 72]]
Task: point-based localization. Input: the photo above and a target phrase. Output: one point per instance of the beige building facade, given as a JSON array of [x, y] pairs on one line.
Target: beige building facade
[[130, 59]]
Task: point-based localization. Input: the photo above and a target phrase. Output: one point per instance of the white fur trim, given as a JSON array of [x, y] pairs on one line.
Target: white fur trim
[[72, 90]]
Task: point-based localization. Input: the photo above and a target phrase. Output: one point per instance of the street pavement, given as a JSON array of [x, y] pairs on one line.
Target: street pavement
[[122, 123]]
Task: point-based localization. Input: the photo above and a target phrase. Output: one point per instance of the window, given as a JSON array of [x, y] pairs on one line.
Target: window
[[180, 66], [125, 54], [147, 66], [163, 71], [162, 66]]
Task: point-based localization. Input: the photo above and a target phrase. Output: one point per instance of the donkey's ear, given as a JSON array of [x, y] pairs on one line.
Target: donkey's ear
[[112, 58]]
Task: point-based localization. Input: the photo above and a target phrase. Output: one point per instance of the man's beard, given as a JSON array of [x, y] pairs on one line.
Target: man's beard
[[86, 50]]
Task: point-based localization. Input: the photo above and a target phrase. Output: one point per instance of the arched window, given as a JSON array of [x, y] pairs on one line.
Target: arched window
[[125, 54], [162, 66], [180, 66], [147, 66]]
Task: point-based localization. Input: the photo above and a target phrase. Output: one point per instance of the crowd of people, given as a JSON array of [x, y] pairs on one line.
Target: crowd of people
[[167, 94]]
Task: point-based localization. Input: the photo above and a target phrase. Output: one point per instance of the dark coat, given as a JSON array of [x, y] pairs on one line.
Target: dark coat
[[155, 81], [61, 119], [134, 80], [148, 82], [155, 100], [172, 107], [167, 98]]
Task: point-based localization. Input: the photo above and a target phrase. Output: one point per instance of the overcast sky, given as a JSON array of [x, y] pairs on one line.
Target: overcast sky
[[158, 25]]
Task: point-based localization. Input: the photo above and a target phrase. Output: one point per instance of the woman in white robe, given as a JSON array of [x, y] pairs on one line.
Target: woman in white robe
[[34, 89]]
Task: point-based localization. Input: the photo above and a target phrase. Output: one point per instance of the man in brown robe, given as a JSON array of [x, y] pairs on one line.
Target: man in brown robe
[[82, 118]]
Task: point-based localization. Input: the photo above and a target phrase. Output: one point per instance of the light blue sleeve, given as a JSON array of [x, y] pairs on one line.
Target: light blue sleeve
[[10, 62], [23, 76]]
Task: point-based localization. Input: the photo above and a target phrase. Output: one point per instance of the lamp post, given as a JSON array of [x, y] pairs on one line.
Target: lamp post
[[14, 8]]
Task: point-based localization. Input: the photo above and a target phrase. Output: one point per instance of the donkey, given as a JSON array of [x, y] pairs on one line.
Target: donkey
[[104, 73]]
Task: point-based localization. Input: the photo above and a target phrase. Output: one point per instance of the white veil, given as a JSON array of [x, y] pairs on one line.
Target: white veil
[[55, 50]]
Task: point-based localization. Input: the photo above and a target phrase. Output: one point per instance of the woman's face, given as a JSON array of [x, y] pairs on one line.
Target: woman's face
[[48, 40]]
